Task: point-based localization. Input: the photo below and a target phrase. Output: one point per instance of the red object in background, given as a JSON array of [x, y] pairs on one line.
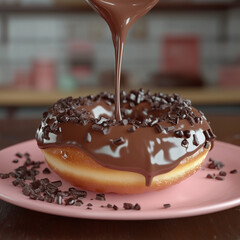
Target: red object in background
[[230, 76], [181, 55], [44, 74]]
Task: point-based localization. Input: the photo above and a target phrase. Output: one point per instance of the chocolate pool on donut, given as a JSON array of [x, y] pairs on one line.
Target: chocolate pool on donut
[[160, 141]]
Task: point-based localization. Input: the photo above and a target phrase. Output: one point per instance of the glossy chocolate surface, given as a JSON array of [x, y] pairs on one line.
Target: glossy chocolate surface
[[120, 15], [156, 133]]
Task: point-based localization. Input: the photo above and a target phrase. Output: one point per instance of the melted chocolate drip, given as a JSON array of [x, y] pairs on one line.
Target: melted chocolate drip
[[120, 15], [156, 132]]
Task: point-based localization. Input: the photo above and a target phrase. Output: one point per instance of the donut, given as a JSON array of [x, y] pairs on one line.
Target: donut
[[160, 140]]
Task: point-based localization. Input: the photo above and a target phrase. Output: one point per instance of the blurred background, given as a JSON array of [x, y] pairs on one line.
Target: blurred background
[[56, 48]]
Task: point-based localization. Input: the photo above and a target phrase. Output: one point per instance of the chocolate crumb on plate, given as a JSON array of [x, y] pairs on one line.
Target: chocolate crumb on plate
[[222, 173], [127, 206], [69, 201], [219, 178], [59, 200], [15, 183], [234, 171], [4, 175], [210, 176], [115, 207], [57, 183], [195, 140], [46, 171], [19, 155], [78, 203], [166, 205], [109, 205], [15, 161], [214, 164], [100, 196], [137, 207]]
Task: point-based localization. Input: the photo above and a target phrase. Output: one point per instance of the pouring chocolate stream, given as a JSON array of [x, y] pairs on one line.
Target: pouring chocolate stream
[[120, 16]]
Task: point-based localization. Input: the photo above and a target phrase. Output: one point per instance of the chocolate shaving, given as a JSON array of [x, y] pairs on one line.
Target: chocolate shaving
[[137, 207], [115, 207], [166, 205], [118, 141], [195, 140], [222, 173], [179, 134], [127, 206], [20, 155], [187, 134], [100, 196], [46, 171], [210, 176], [184, 143], [159, 128], [219, 178], [234, 171]]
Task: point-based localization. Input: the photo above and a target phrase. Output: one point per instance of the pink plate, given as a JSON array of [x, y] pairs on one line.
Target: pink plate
[[194, 196]]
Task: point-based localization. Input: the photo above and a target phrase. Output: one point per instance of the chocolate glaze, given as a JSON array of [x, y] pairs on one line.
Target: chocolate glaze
[[162, 123], [120, 15]]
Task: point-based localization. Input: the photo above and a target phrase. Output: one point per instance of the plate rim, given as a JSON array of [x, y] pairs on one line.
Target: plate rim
[[114, 215]]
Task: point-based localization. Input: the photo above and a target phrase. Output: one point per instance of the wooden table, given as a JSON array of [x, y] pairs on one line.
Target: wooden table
[[22, 224]]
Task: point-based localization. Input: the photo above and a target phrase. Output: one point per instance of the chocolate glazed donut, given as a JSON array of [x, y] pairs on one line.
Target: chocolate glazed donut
[[158, 135]]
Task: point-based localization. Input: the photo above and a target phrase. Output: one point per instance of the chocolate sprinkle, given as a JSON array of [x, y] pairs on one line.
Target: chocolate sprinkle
[[210, 176], [195, 140], [78, 203], [137, 207], [15, 161], [19, 155], [69, 201], [222, 173], [46, 171], [115, 207], [219, 178], [59, 200], [187, 134], [118, 141], [206, 144], [127, 206], [184, 143], [159, 128], [179, 134], [234, 171], [100, 196], [166, 205], [214, 164]]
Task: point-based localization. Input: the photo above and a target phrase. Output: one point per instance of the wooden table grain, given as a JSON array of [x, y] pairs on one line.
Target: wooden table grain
[[21, 224]]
